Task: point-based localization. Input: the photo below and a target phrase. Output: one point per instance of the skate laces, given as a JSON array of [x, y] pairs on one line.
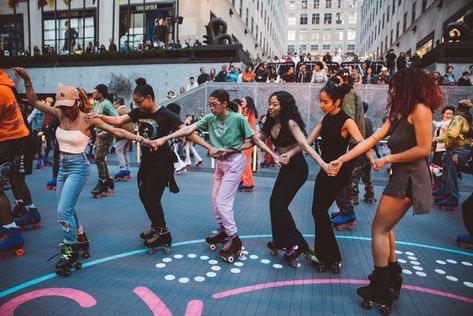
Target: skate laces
[[292, 250], [65, 250], [228, 243]]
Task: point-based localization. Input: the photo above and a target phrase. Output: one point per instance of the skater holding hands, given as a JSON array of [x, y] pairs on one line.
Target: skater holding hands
[[413, 97]]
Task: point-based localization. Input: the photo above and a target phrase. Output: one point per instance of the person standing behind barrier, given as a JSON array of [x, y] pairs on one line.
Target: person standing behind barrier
[[251, 114], [103, 141], [439, 149], [36, 119], [190, 149], [352, 106], [122, 145]]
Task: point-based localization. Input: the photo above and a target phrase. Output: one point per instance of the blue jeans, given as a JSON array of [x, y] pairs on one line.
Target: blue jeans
[[73, 174]]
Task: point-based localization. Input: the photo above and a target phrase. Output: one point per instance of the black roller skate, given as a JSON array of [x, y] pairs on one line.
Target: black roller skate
[[147, 234], [395, 278], [231, 247], [31, 218], [68, 260], [292, 254], [217, 238], [83, 245], [161, 238], [378, 291], [19, 210], [110, 186], [274, 248], [101, 189], [321, 267]]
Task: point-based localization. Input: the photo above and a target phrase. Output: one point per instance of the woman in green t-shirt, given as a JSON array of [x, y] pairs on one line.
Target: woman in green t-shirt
[[228, 131]]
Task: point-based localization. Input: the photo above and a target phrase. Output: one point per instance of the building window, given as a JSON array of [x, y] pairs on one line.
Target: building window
[[291, 20], [387, 15], [340, 35], [316, 4], [339, 18], [247, 17], [252, 25], [326, 47], [303, 19], [391, 42], [304, 4], [338, 47], [339, 4], [397, 31], [352, 18], [315, 35], [351, 35], [315, 18], [413, 17], [327, 36], [404, 25], [303, 35], [240, 10], [399, 3], [291, 4], [350, 48], [291, 49], [394, 6], [328, 18], [302, 49], [256, 32], [424, 5], [11, 33], [314, 48], [291, 35], [328, 4], [383, 21]]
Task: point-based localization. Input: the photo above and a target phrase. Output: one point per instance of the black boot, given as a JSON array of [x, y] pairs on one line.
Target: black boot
[[232, 246], [83, 245], [100, 189], [161, 238], [395, 276], [68, 260], [110, 185], [217, 238], [147, 234], [378, 291]]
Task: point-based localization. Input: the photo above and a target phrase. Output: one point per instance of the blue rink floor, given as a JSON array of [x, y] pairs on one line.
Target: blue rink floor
[[121, 278]]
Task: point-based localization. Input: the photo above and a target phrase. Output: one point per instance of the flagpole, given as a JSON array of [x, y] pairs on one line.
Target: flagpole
[[29, 26], [83, 26], [42, 29], [113, 24], [55, 27], [129, 23], [98, 22], [144, 23]]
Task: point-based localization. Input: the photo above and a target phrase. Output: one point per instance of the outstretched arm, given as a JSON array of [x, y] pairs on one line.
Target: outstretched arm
[[112, 120], [183, 132], [31, 94], [118, 132], [256, 139]]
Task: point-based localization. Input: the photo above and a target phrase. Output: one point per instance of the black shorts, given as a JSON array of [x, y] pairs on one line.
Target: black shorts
[[19, 152]]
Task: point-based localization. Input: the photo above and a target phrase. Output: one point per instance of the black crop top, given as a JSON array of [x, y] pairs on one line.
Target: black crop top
[[284, 139], [333, 145], [402, 136]]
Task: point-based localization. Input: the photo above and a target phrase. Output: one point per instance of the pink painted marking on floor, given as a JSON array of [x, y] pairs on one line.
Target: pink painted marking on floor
[[330, 281], [154, 303], [194, 308], [82, 298]]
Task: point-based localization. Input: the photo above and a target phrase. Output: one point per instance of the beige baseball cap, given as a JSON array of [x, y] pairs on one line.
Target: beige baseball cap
[[66, 96]]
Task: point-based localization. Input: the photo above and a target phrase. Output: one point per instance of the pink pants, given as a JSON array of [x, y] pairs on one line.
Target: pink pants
[[227, 178]]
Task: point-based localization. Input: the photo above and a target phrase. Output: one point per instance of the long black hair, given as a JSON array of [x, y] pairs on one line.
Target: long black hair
[[250, 106], [289, 111], [143, 89]]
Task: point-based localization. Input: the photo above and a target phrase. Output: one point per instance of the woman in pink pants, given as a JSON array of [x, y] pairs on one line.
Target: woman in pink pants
[[227, 132]]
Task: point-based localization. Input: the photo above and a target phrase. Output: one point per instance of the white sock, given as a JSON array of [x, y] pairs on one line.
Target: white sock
[[30, 206], [18, 201], [11, 225]]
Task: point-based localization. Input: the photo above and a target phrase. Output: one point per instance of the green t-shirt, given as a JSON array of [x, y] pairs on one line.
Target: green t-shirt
[[106, 108], [229, 132]]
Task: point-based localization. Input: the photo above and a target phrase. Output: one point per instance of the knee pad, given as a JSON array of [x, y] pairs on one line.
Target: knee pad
[[6, 170]]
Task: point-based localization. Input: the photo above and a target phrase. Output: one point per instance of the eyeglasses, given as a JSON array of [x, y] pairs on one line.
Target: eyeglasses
[[139, 102]]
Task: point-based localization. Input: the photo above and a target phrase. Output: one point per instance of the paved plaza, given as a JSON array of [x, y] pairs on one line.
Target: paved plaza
[[121, 278]]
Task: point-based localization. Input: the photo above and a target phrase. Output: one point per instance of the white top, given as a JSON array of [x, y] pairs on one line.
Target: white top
[[440, 128], [72, 142]]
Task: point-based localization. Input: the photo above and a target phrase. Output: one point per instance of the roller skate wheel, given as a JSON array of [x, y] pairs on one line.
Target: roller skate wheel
[[336, 270], [230, 259], [77, 265], [20, 252], [151, 251], [354, 224], [167, 250], [339, 228], [385, 310], [367, 304], [462, 244], [273, 252], [240, 254], [127, 177], [293, 263], [85, 254], [36, 226], [212, 247]]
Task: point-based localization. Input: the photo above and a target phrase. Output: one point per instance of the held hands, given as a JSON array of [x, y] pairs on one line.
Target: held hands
[[91, 115], [333, 167], [155, 144], [284, 159], [379, 164]]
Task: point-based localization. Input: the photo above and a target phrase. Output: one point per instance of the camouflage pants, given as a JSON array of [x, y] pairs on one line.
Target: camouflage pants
[[103, 143], [363, 171]]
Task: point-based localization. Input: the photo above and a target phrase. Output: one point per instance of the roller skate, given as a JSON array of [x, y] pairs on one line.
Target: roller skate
[[101, 189], [110, 186], [395, 278], [344, 220], [217, 238], [31, 217], [438, 192], [83, 245], [47, 163], [321, 267], [188, 167], [378, 291], [231, 247], [122, 175], [274, 248], [11, 239], [334, 214], [440, 198], [244, 188], [354, 200], [19, 210], [51, 184], [451, 203], [39, 164], [464, 241], [161, 238], [292, 254], [199, 164], [147, 234], [68, 260], [369, 196]]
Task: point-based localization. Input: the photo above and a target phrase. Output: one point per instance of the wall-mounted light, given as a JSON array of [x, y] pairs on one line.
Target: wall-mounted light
[[246, 31], [414, 29], [397, 44], [230, 12]]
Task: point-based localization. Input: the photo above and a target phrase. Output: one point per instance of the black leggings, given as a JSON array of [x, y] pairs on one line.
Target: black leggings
[[290, 179], [152, 180], [325, 191]]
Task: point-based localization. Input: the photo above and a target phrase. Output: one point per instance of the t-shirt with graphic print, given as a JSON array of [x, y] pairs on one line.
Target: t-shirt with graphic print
[[153, 126], [227, 133]]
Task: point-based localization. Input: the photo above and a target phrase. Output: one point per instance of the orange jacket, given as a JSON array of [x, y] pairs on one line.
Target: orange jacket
[[12, 125], [251, 120], [248, 77]]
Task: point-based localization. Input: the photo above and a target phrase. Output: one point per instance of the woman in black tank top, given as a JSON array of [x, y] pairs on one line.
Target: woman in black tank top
[[413, 96], [336, 129]]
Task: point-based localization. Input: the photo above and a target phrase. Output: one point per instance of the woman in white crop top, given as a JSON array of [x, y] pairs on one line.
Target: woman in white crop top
[[72, 135]]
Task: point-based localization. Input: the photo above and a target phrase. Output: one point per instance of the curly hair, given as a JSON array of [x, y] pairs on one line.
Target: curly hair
[[409, 87], [289, 111]]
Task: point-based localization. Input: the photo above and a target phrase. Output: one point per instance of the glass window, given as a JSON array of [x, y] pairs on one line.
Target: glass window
[[292, 4], [291, 20], [240, 10], [351, 35], [314, 48], [315, 35], [326, 47], [291, 49], [315, 18], [339, 18], [327, 36], [304, 4], [316, 4], [328, 4], [302, 49], [303, 35], [413, 18], [338, 47], [404, 25], [339, 4], [340, 35], [303, 19], [291, 35], [11, 33], [350, 47], [327, 18]]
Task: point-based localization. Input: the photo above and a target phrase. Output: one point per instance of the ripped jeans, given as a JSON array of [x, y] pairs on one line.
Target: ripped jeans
[[73, 174]]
